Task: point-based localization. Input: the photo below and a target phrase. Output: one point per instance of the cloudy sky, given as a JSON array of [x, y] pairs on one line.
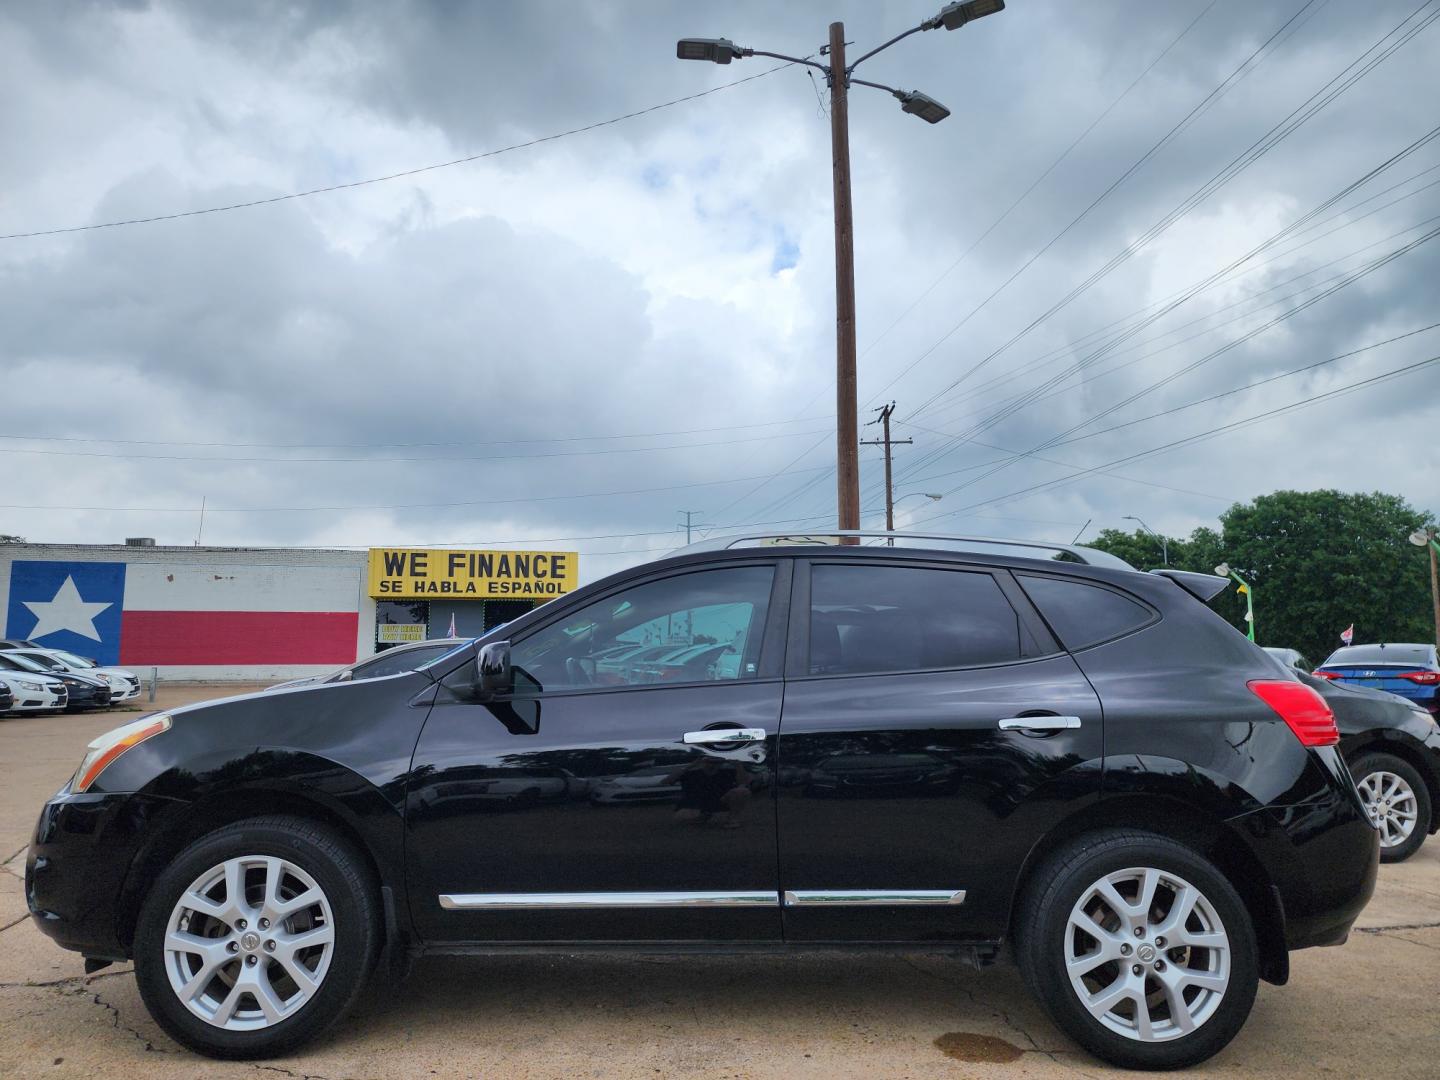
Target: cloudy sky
[[1129, 219]]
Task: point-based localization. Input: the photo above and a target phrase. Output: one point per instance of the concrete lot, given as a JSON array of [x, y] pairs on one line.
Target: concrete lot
[[1367, 1009]]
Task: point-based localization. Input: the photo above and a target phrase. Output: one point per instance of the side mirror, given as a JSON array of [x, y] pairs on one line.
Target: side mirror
[[493, 675]]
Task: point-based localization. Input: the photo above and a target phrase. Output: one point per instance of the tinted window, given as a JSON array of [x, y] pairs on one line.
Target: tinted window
[[871, 619], [688, 628], [1383, 654], [1083, 614], [394, 661]]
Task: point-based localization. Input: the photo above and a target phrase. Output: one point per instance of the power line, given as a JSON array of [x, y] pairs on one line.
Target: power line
[[375, 460], [390, 176], [410, 445], [210, 509], [1304, 112], [1201, 436]]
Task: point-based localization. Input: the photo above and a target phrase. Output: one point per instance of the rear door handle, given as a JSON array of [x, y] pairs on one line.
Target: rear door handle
[[726, 735], [1039, 723]]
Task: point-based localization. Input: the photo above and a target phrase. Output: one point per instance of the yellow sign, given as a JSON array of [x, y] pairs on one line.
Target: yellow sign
[[423, 573], [395, 633]]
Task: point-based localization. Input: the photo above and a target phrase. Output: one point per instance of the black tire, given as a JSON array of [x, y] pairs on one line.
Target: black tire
[[1043, 916], [1380, 762], [353, 895]]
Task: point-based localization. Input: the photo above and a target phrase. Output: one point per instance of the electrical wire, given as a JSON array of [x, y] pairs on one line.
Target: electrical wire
[[177, 215]]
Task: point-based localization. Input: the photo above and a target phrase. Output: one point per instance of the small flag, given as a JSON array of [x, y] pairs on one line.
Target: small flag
[[1348, 635], [1242, 588], [452, 625]]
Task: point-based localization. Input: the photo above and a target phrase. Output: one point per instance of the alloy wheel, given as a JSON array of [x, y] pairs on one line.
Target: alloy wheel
[[1391, 804], [1147, 954], [249, 942]]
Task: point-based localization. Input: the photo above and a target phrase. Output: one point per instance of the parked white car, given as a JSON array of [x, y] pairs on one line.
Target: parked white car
[[124, 684], [34, 693]]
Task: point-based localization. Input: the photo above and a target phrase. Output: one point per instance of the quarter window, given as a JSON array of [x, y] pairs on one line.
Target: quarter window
[[698, 627], [873, 619], [1083, 614]]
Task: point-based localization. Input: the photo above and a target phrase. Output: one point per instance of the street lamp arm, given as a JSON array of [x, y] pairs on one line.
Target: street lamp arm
[[878, 86], [898, 37], [781, 56]]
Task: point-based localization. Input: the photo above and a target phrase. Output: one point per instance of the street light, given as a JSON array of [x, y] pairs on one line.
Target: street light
[[839, 76], [1425, 537], [1164, 544], [1223, 570]]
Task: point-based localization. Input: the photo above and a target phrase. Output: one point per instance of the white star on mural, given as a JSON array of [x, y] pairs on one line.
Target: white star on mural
[[67, 611]]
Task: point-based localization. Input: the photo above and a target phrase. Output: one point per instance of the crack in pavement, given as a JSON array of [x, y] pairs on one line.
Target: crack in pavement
[[1409, 941], [288, 1072], [1400, 926], [13, 857], [16, 922], [1005, 1017], [84, 980], [114, 1012]]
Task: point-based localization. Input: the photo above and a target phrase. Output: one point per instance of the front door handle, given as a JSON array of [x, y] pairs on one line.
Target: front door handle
[[726, 735], [1039, 723]]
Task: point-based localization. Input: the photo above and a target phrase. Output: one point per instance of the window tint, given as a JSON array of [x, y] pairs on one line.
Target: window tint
[[872, 619], [1383, 654], [393, 662], [688, 628], [1083, 614]]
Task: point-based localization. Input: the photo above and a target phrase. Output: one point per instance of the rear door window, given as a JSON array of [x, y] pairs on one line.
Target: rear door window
[[876, 619], [1082, 614]]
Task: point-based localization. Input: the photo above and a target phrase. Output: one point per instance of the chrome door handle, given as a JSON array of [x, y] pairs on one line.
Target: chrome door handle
[[1039, 723], [726, 735]]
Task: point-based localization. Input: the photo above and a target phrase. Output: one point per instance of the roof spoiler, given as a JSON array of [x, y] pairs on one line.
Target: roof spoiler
[[1204, 587]]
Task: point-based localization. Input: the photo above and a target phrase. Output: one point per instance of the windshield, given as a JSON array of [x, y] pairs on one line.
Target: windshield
[[44, 663], [1382, 654], [71, 659], [16, 662]]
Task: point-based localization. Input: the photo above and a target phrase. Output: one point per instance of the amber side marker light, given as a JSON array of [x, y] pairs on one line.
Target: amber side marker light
[[103, 751], [1303, 710]]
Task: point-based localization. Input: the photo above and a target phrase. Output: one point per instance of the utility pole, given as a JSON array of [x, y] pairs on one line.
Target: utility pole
[[886, 442], [847, 450], [840, 78], [688, 515], [1435, 586]]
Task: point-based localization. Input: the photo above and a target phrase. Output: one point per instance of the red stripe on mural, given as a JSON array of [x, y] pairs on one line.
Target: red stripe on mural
[[238, 637]]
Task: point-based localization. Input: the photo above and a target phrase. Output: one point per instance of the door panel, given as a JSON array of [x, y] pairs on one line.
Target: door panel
[[900, 791], [594, 803], [563, 812]]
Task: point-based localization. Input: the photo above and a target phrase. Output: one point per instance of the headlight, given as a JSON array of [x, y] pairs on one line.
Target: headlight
[[106, 748], [26, 684]]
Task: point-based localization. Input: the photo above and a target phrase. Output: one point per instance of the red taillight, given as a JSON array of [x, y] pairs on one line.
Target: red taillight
[[1326, 674], [1424, 678], [1303, 710]]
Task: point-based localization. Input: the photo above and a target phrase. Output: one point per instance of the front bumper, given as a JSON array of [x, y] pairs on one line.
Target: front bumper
[[81, 851]]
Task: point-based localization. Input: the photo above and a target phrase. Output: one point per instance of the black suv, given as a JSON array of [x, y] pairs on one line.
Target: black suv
[[1023, 748]]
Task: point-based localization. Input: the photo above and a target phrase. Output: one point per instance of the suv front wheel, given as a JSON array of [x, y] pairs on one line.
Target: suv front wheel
[[257, 937], [1140, 949]]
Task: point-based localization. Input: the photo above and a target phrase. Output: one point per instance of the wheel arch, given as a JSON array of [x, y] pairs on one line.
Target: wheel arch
[[352, 818], [1208, 835]]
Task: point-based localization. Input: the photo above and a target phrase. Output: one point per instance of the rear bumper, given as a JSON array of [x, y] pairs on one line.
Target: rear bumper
[[81, 851], [1322, 855]]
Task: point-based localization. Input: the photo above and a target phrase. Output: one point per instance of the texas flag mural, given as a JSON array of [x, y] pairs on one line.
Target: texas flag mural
[[151, 614]]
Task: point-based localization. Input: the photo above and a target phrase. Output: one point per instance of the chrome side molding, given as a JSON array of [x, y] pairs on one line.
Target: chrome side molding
[[1039, 723], [892, 897], [564, 901]]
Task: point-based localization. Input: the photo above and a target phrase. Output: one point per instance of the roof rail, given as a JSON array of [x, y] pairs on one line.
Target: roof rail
[[981, 544]]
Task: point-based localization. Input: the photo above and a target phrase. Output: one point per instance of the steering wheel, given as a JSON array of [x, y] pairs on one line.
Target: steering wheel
[[577, 673]]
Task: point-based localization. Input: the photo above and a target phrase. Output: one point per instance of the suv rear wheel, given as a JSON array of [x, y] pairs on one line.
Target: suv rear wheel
[[257, 937], [1139, 949]]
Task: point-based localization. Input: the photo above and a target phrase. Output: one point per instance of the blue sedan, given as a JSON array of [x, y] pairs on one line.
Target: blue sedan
[[1412, 671]]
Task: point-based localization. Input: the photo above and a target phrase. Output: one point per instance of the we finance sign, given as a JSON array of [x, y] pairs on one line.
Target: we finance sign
[[422, 573]]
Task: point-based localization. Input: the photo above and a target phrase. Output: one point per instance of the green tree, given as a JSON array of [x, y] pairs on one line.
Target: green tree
[[1319, 561], [11, 538]]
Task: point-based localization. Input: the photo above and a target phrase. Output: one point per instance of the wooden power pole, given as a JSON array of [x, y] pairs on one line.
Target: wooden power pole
[[847, 449], [887, 443]]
